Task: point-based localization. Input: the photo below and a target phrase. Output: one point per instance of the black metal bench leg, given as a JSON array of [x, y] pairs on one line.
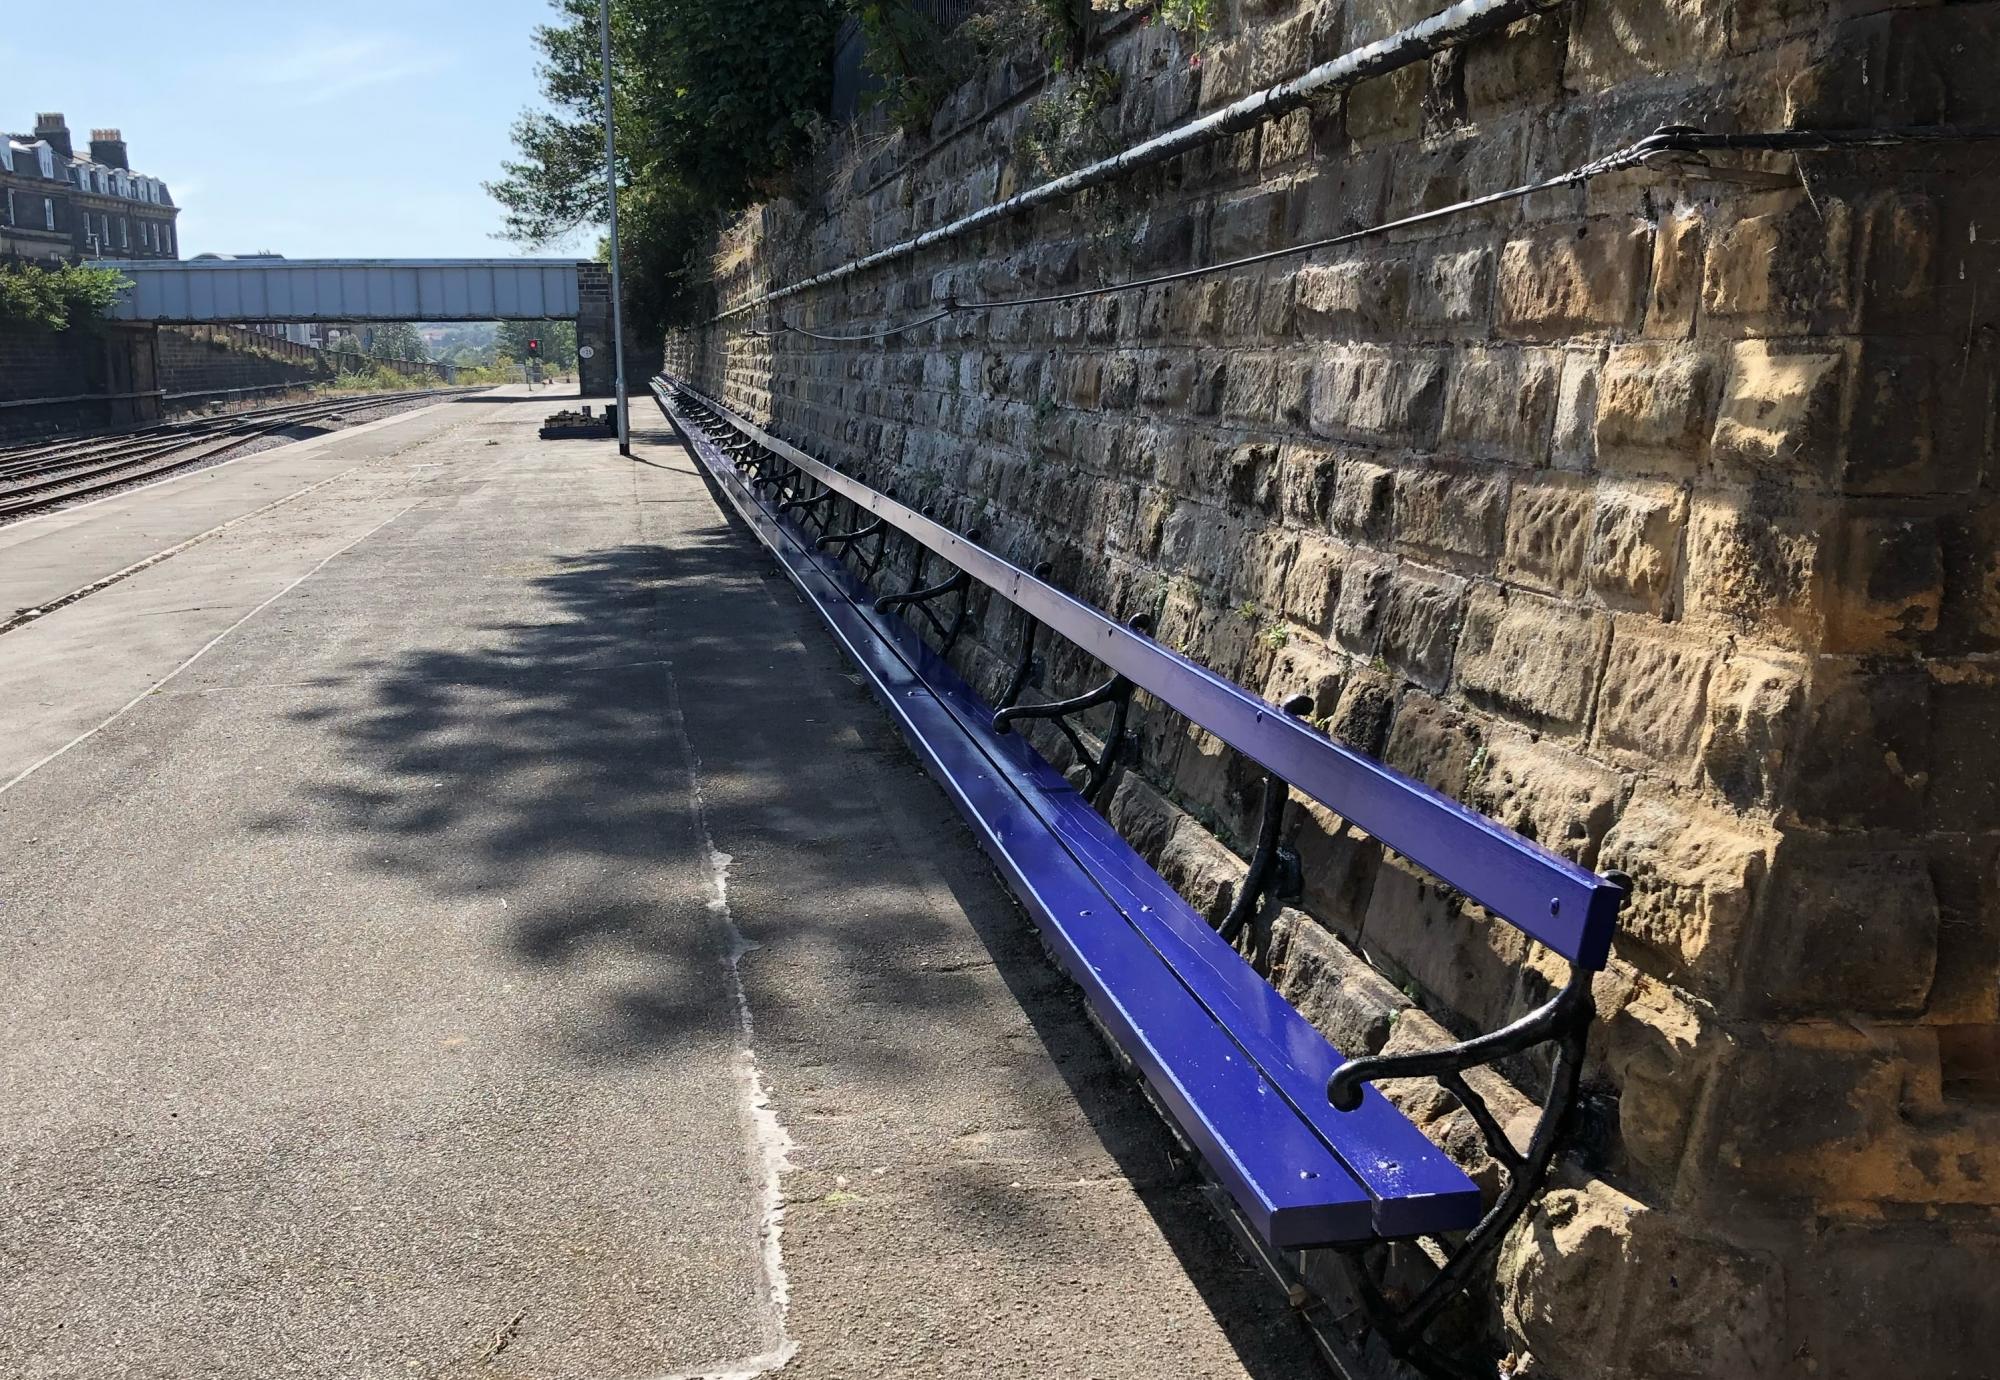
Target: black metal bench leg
[[1116, 692], [1274, 869], [1563, 1021]]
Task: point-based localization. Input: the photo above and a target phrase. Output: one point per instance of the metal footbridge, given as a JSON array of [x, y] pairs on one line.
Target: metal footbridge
[[281, 290]]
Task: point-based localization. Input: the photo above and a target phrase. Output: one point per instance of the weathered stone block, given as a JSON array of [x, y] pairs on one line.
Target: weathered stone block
[[1659, 1049], [1676, 288], [1419, 624], [1564, 1273], [1357, 615], [1502, 404], [1362, 716], [1312, 587], [1752, 711], [1333, 987], [1530, 657], [1587, 278], [1470, 961], [1865, 756], [1544, 792], [1780, 414], [1696, 876], [1305, 480], [1378, 395], [1364, 499], [1453, 291], [1549, 528], [1781, 271], [1653, 407], [1624, 42], [1755, 566], [1887, 587], [1649, 711], [1454, 513], [1846, 931], [1574, 443], [1250, 388], [1436, 744], [1357, 298]]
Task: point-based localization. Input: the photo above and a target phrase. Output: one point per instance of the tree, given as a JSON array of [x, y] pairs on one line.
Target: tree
[[716, 100], [58, 298], [397, 340], [557, 339]]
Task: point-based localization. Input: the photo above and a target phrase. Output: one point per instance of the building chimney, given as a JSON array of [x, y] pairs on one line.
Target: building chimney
[[52, 128], [107, 146]]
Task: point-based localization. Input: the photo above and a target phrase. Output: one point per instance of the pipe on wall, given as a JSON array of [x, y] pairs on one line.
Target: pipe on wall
[[1449, 27]]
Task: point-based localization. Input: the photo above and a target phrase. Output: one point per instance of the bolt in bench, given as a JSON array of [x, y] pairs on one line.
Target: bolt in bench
[[1310, 1152]]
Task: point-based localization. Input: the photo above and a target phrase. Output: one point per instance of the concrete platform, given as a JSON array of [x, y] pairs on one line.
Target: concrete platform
[[463, 919]]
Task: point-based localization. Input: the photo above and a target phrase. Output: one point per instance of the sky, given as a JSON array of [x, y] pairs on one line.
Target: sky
[[361, 129]]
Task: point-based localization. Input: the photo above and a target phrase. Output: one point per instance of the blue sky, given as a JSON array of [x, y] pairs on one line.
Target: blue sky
[[361, 128]]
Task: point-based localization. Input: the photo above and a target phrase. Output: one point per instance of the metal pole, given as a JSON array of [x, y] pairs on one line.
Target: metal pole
[[611, 204]]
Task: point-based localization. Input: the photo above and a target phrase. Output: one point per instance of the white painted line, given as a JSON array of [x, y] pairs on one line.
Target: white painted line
[[206, 648], [769, 1144]]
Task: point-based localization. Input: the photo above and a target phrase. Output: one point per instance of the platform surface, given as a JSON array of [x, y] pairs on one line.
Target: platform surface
[[459, 903]]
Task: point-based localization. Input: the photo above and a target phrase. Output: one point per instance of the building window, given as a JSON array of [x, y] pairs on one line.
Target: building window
[[104, 234], [124, 233], [167, 233], [49, 211], [46, 157]]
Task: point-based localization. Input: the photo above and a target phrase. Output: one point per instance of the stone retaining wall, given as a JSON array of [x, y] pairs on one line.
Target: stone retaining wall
[[1656, 519]]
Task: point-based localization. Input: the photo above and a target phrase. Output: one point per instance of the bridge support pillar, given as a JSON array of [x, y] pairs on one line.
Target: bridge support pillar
[[597, 376]]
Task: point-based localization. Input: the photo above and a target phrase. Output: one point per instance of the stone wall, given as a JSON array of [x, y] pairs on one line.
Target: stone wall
[[88, 361], [222, 361], [1654, 518]]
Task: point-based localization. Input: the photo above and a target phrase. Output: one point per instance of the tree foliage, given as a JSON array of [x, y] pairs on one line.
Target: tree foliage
[[58, 298], [716, 100], [556, 338]]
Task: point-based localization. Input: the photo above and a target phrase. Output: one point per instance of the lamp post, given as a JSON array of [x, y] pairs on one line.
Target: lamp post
[[611, 203]]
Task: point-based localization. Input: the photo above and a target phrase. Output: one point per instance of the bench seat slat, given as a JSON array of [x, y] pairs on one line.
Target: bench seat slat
[[1293, 1189], [1417, 1187]]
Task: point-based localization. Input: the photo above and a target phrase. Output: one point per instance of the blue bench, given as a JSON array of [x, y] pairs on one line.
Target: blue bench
[[1309, 1151]]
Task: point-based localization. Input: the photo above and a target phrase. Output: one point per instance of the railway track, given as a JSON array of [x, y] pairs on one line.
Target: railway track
[[42, 476]]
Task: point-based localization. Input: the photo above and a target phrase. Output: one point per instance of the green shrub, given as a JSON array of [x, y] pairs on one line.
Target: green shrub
[[58, 298]]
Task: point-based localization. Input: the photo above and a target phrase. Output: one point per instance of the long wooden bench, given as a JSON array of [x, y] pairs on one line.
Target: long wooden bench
[[1293, 1129]]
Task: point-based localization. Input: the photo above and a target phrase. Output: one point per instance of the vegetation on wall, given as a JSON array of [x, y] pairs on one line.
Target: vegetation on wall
[[58, 298]]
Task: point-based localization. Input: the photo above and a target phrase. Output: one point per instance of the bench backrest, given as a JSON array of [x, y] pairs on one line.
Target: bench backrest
[[1563, 905]]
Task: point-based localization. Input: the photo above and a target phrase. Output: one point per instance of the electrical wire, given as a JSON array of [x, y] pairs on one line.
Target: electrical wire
[[1668, 141]]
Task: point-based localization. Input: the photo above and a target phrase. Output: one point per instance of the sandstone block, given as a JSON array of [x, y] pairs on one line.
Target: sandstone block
[[1312, 588], [1676, 285], [1200, 869], [1455, 513], [1755, 565], [1502, 404], [1548, 535], [1436, 744], [1544, 792], [1338, 862], [1333, 987], [1653, 407], [1624, 42], [1659, 1050], [1468, 960], [1865, 757], [1357, 298], [1783, 270], [1377, 395], [1847, 930], [1419, 625], [1752, 711], [1696, 879], [1649, 711], [1532, 658], [1364, 499], [1560, 282], [1888, 585], [1780, 414], [1250, 388], [1574, 443], [1453, 291], [1362, 716], [1564, 1274], [1305, 484], [1357, 615]]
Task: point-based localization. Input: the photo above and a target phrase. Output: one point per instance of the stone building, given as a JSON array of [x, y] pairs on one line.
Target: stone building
[[62, 204], [1655, 515]]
